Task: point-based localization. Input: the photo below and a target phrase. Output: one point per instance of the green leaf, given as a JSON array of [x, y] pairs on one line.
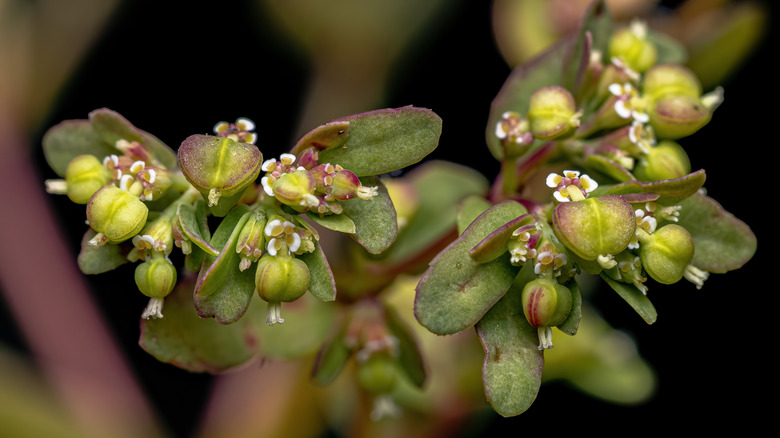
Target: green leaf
[[385, 140], [544, 70], [72, 138], [670, 51], [194, 225], [609, 168], [328, 136], [223, 291], [495, 244], [184, 339], [671, 191], [336, 222], [330, 360], [455, 291], [322, 285], [409, 354], [440, 187], [376, 226], [469, 209], [307, 322], [721, 241], [636, 299], [594, 33], [111, 126], [512, 369], [572, 323], [97, 260]]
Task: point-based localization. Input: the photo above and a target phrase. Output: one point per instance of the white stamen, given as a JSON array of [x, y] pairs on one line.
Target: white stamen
[[545, 338]]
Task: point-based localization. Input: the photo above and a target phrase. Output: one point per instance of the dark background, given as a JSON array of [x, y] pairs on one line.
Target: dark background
[[709, 348]]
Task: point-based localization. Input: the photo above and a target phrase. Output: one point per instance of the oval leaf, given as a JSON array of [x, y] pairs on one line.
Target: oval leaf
[[322, 285], [336, 222], [328, 136], [385, 140], [193, 221], [721, 241], [184, 339], [112, 126], [512, 369], [72, 138], [223, 291], [97, 260], [670, 191], [376, 226], [636, 299], [409, 354], [572, 323], [455, 291], [494, 245], [331, 359], [470, 208]]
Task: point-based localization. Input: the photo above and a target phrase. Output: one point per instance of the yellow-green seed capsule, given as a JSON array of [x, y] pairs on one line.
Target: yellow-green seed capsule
[[552, 113], [674, 102], [546, 303], [378, 374], [631, 45], [667, 160], [296, 189], [595, 227], [155, 277], [84, 176], [281, 278], [116, 214], [666, 253]]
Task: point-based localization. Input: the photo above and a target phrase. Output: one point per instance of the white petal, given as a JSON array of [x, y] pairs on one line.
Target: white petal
[[622, 109], [588, 183], [267, 163], [268, 190], [553, 180], [270, 226], [571, 173], [557, 195], [616, 89], [248, 124]]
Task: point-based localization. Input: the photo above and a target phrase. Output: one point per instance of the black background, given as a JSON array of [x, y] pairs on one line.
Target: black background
[[709, 347]]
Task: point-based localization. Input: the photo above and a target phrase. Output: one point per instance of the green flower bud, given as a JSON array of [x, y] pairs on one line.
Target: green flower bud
[[251, 239], [155, 277], [378, 374], [84, 176], [667, 160], [552, 113], [666, 253], [281, 278], [546, 303], [116, 214], [595, 227], [345, 185], [674, 103], [296, 189], [220, 168], [632, 47]]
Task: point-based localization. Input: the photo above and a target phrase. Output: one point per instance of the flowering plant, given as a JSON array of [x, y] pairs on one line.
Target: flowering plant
[[592, 184]]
